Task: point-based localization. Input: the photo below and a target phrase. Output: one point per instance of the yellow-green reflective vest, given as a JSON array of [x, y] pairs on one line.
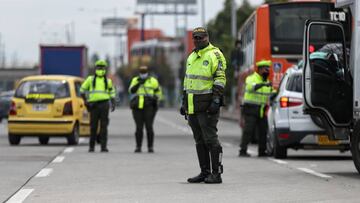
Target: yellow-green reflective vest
[[260, 96], [99, 93], [150, 88], [204, 68]]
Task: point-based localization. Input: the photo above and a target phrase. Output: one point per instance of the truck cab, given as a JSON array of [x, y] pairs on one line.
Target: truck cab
[[332, 85]]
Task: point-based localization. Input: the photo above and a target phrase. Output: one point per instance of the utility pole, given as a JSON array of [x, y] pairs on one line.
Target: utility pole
[[233, 19], [203, 13]]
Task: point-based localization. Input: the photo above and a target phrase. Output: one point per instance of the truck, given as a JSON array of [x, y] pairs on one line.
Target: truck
[[332, 86], [63, 60]]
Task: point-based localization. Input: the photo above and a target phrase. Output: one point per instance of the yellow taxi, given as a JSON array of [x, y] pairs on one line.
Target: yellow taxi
[[48, 105]]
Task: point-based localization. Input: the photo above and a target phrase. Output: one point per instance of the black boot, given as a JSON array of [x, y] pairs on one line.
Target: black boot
[[217, 168], [204, 162]]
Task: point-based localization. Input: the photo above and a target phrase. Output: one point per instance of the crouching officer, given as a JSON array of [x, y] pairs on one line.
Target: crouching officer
[[101, 94], [257, 92], [204, 84], [145, 92]]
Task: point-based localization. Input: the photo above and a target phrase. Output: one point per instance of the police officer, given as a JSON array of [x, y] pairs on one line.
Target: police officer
[[145, 92], [258, 88], [204, 84], [101, 94]]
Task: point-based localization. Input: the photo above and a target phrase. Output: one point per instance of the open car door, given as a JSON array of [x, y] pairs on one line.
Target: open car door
[[327, 81]]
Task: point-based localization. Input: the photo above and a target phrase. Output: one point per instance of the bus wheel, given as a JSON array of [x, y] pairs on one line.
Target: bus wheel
[[355, 146]]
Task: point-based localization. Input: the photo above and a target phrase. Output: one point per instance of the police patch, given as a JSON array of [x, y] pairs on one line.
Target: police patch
[[206, 62]]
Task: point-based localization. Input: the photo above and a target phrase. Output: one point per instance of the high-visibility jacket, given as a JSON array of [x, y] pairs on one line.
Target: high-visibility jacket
[[150, 90], [204, 69], [99, 92], [260, 96]]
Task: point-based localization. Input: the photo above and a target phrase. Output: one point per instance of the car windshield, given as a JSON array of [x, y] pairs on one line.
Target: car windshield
[[54, 88]]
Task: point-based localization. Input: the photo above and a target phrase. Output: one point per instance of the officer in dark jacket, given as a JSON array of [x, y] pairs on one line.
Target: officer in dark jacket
[[204, 84]]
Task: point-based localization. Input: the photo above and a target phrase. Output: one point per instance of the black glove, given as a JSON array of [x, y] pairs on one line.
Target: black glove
[[88, 106], [182, 110], [258, 86], [214, 107], [112, 108], [141, 81]]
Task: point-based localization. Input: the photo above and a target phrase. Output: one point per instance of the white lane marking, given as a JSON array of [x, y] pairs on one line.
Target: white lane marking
[[58, 159], [82, 140], [278, 161], [174, 125], [44, 172], [309, 171], [69, 149], [20, 196]]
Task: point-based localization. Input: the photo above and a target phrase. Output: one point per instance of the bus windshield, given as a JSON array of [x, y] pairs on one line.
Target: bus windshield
[[287, 23]]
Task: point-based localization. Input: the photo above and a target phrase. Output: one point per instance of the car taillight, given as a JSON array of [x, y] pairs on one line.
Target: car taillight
[[12, 110], [284, 135], [286, 102], [68, 110]]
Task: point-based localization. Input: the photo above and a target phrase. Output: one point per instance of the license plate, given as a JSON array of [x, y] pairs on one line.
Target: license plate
[[39, 107], [324, 140]]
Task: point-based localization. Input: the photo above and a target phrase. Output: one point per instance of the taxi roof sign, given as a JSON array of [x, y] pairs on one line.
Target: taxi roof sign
[[342, 3]]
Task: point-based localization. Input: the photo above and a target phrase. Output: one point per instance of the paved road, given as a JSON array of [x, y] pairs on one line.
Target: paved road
[[58, 173]]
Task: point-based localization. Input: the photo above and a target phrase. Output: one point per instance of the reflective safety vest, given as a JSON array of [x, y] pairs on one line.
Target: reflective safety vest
[[150, 88], [260, 96], [99, 93], [204, 69]]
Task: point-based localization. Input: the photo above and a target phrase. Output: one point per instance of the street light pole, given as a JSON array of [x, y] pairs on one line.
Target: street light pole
[[233, 19], [203, 12]]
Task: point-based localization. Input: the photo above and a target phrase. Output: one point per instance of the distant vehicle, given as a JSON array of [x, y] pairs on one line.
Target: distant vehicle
[[289, 127], [63, 60], [275, 32], [48, 105], [5, 101]]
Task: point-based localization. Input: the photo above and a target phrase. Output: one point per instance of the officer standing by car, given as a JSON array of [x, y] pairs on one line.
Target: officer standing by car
[[145, 92], [258, 88], [204, 84], [100, 94]]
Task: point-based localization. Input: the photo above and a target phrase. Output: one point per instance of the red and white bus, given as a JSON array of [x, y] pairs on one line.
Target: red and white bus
[[275, 32]]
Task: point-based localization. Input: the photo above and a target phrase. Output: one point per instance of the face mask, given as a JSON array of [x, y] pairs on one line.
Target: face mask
[[265, 75], [144, 75], [200, 43], [100, 73]]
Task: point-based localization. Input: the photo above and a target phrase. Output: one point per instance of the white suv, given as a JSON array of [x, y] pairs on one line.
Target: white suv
[[289, 127]]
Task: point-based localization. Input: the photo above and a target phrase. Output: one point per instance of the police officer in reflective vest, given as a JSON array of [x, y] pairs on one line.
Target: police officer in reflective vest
[[204, 84], [145, 92], [100, 95], [258, 88]]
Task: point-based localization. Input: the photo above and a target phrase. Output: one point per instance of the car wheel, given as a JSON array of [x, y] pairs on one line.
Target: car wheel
[[355, 147], [14, 139], [44, 140], [73, 138], [280, 152], [269, 142]]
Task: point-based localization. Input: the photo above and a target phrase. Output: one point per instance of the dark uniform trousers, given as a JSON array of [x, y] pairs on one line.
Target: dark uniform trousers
[[204, 128], [208, 146], [144, 116], [254, 123], [99, 111]]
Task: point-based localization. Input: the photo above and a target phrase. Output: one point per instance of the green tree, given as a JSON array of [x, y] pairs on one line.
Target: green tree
[[220, 35]]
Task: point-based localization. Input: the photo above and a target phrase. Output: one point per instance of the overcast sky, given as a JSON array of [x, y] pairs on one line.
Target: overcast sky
[[24, 24]]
